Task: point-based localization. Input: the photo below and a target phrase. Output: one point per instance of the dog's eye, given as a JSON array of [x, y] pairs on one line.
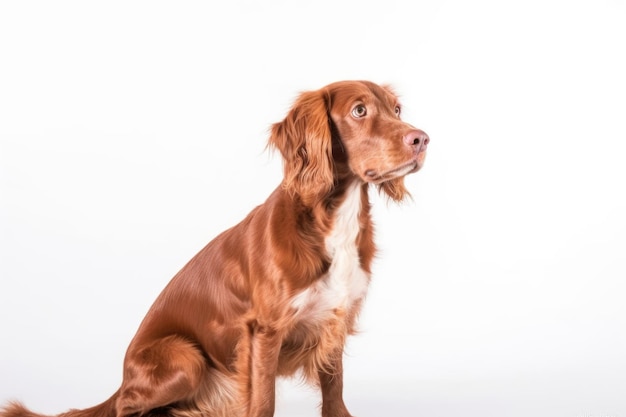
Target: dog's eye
[[359, 111], [398, 110]]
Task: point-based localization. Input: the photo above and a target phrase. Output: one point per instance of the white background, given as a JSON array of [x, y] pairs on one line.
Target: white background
[[132, 132]]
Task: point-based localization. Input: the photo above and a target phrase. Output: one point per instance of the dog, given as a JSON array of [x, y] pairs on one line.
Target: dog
[[278, 293]]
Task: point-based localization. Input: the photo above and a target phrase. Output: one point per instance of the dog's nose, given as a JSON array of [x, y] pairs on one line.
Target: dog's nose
[[417, 138]]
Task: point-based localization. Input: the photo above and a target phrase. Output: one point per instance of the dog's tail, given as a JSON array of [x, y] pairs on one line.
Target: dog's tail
[[106, 409]]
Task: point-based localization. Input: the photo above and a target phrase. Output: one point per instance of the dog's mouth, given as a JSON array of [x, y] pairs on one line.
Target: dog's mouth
[[410, 167]]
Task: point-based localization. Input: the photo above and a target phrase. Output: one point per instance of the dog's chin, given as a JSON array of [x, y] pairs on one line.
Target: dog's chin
[[410, 167]]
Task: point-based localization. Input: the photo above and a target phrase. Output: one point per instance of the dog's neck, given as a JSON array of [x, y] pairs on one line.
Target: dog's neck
[[349, 220], [345, 279]]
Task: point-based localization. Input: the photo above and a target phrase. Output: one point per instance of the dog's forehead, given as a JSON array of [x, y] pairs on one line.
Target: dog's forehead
[[346, 93]]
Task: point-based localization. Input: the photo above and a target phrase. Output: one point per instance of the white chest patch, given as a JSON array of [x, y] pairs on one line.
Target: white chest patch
[[345, 282]]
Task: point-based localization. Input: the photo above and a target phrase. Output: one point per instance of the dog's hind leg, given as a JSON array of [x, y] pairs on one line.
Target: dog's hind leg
[[162, 373]]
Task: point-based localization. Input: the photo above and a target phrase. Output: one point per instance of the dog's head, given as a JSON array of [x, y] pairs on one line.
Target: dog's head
[[348, 129]]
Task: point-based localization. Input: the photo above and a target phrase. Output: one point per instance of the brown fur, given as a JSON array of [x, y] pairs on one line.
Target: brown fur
[[226, 325]]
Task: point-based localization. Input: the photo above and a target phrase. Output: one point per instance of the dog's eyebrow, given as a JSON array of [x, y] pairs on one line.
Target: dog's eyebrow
[[387, 97]]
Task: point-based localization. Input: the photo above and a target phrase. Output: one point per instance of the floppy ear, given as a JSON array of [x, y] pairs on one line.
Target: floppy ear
[[304, 139], [394, 189]]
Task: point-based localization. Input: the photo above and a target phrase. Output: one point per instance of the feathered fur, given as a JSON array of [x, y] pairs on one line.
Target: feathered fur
[[279, 292]]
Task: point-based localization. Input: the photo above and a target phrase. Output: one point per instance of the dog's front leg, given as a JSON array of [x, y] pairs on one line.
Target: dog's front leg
[[331, 384], [265, 346]]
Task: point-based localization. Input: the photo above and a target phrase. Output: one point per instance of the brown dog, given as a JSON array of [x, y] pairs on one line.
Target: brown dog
[[280, 291]]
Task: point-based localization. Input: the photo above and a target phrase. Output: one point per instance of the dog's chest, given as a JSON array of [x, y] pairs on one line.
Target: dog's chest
[[346, 282]]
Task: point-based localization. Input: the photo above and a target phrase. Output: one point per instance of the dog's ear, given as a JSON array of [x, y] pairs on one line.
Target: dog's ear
[[305, 141], [394, 189]]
